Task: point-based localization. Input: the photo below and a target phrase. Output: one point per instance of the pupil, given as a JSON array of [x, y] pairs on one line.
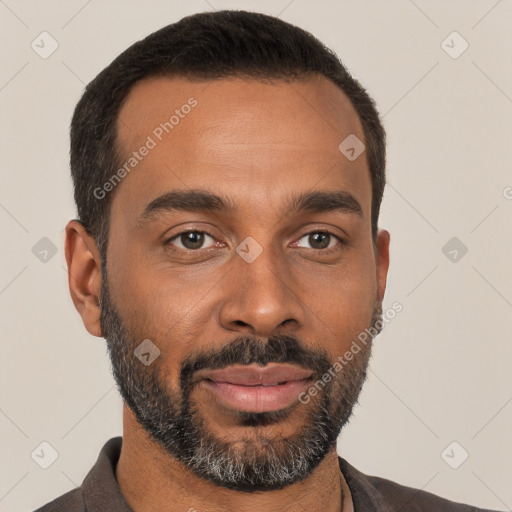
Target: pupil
[[323, 238], [193, 240]]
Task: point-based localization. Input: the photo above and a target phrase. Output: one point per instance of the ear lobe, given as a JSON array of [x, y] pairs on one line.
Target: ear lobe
[[84, 275], [382, 261]]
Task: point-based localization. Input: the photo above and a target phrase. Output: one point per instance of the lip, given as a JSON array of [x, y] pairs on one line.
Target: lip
[[256, 388]]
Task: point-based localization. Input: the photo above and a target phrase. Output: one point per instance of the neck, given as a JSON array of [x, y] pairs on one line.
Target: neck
[[151, 479]]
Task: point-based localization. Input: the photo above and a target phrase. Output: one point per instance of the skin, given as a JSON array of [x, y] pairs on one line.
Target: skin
[[259, 144]]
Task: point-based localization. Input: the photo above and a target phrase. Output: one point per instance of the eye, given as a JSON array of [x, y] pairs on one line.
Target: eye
[[321, 240], [190, 240], [194, 240]]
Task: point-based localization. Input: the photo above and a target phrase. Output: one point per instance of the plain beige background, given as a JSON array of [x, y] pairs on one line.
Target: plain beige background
[[441, 369]]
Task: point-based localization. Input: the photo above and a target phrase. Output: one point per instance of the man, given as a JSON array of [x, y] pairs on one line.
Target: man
[[228, 175]]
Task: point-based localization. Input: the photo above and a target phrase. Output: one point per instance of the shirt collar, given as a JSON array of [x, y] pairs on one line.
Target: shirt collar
[[100, 488]]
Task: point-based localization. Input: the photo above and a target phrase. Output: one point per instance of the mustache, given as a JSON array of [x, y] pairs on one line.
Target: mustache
[[248, 350]]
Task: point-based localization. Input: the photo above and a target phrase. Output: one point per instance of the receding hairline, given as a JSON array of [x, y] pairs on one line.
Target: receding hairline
[[233, 78]]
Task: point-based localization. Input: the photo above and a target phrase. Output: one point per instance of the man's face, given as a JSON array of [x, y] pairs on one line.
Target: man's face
[[259, 283]]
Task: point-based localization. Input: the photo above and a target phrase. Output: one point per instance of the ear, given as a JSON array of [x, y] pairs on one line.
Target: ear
[[382, 261], [84, 275]]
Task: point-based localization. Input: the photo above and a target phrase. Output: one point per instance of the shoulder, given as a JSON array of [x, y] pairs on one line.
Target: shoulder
[[388, 496], [399, 497], [72, 501]]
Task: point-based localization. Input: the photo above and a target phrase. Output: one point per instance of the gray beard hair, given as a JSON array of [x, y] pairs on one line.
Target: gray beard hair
[[261, 465], [172, 420]]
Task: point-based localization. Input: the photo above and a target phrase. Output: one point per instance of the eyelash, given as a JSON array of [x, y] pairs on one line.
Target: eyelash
[[323, 231]]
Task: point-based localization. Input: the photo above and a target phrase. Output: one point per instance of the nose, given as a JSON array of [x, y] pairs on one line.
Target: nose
[[262, 297]]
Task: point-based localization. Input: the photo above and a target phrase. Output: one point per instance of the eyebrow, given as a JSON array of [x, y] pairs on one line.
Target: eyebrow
[[204, 201]]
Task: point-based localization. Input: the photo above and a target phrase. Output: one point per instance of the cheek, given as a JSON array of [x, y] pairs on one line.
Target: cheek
[[168, 309], [344, 307], [343, 298]]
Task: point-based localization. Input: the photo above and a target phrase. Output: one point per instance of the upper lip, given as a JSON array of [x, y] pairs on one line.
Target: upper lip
[[245, 375]]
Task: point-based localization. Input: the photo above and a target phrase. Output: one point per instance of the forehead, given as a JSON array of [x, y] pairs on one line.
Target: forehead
[[258, 140]]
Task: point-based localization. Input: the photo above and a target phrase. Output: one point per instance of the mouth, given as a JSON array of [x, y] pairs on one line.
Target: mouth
[[257, 389]]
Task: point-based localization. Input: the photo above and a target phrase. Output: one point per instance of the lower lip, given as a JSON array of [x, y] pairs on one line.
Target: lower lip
[[257, 398]]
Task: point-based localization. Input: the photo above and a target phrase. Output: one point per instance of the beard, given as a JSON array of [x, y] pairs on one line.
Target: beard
[[173, 420]]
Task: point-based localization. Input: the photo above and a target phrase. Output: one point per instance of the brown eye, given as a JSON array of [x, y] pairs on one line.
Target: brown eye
[[320, 240], [190, 240]]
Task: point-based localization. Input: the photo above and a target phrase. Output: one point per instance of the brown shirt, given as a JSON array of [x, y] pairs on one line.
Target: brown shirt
[[100, 492]]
